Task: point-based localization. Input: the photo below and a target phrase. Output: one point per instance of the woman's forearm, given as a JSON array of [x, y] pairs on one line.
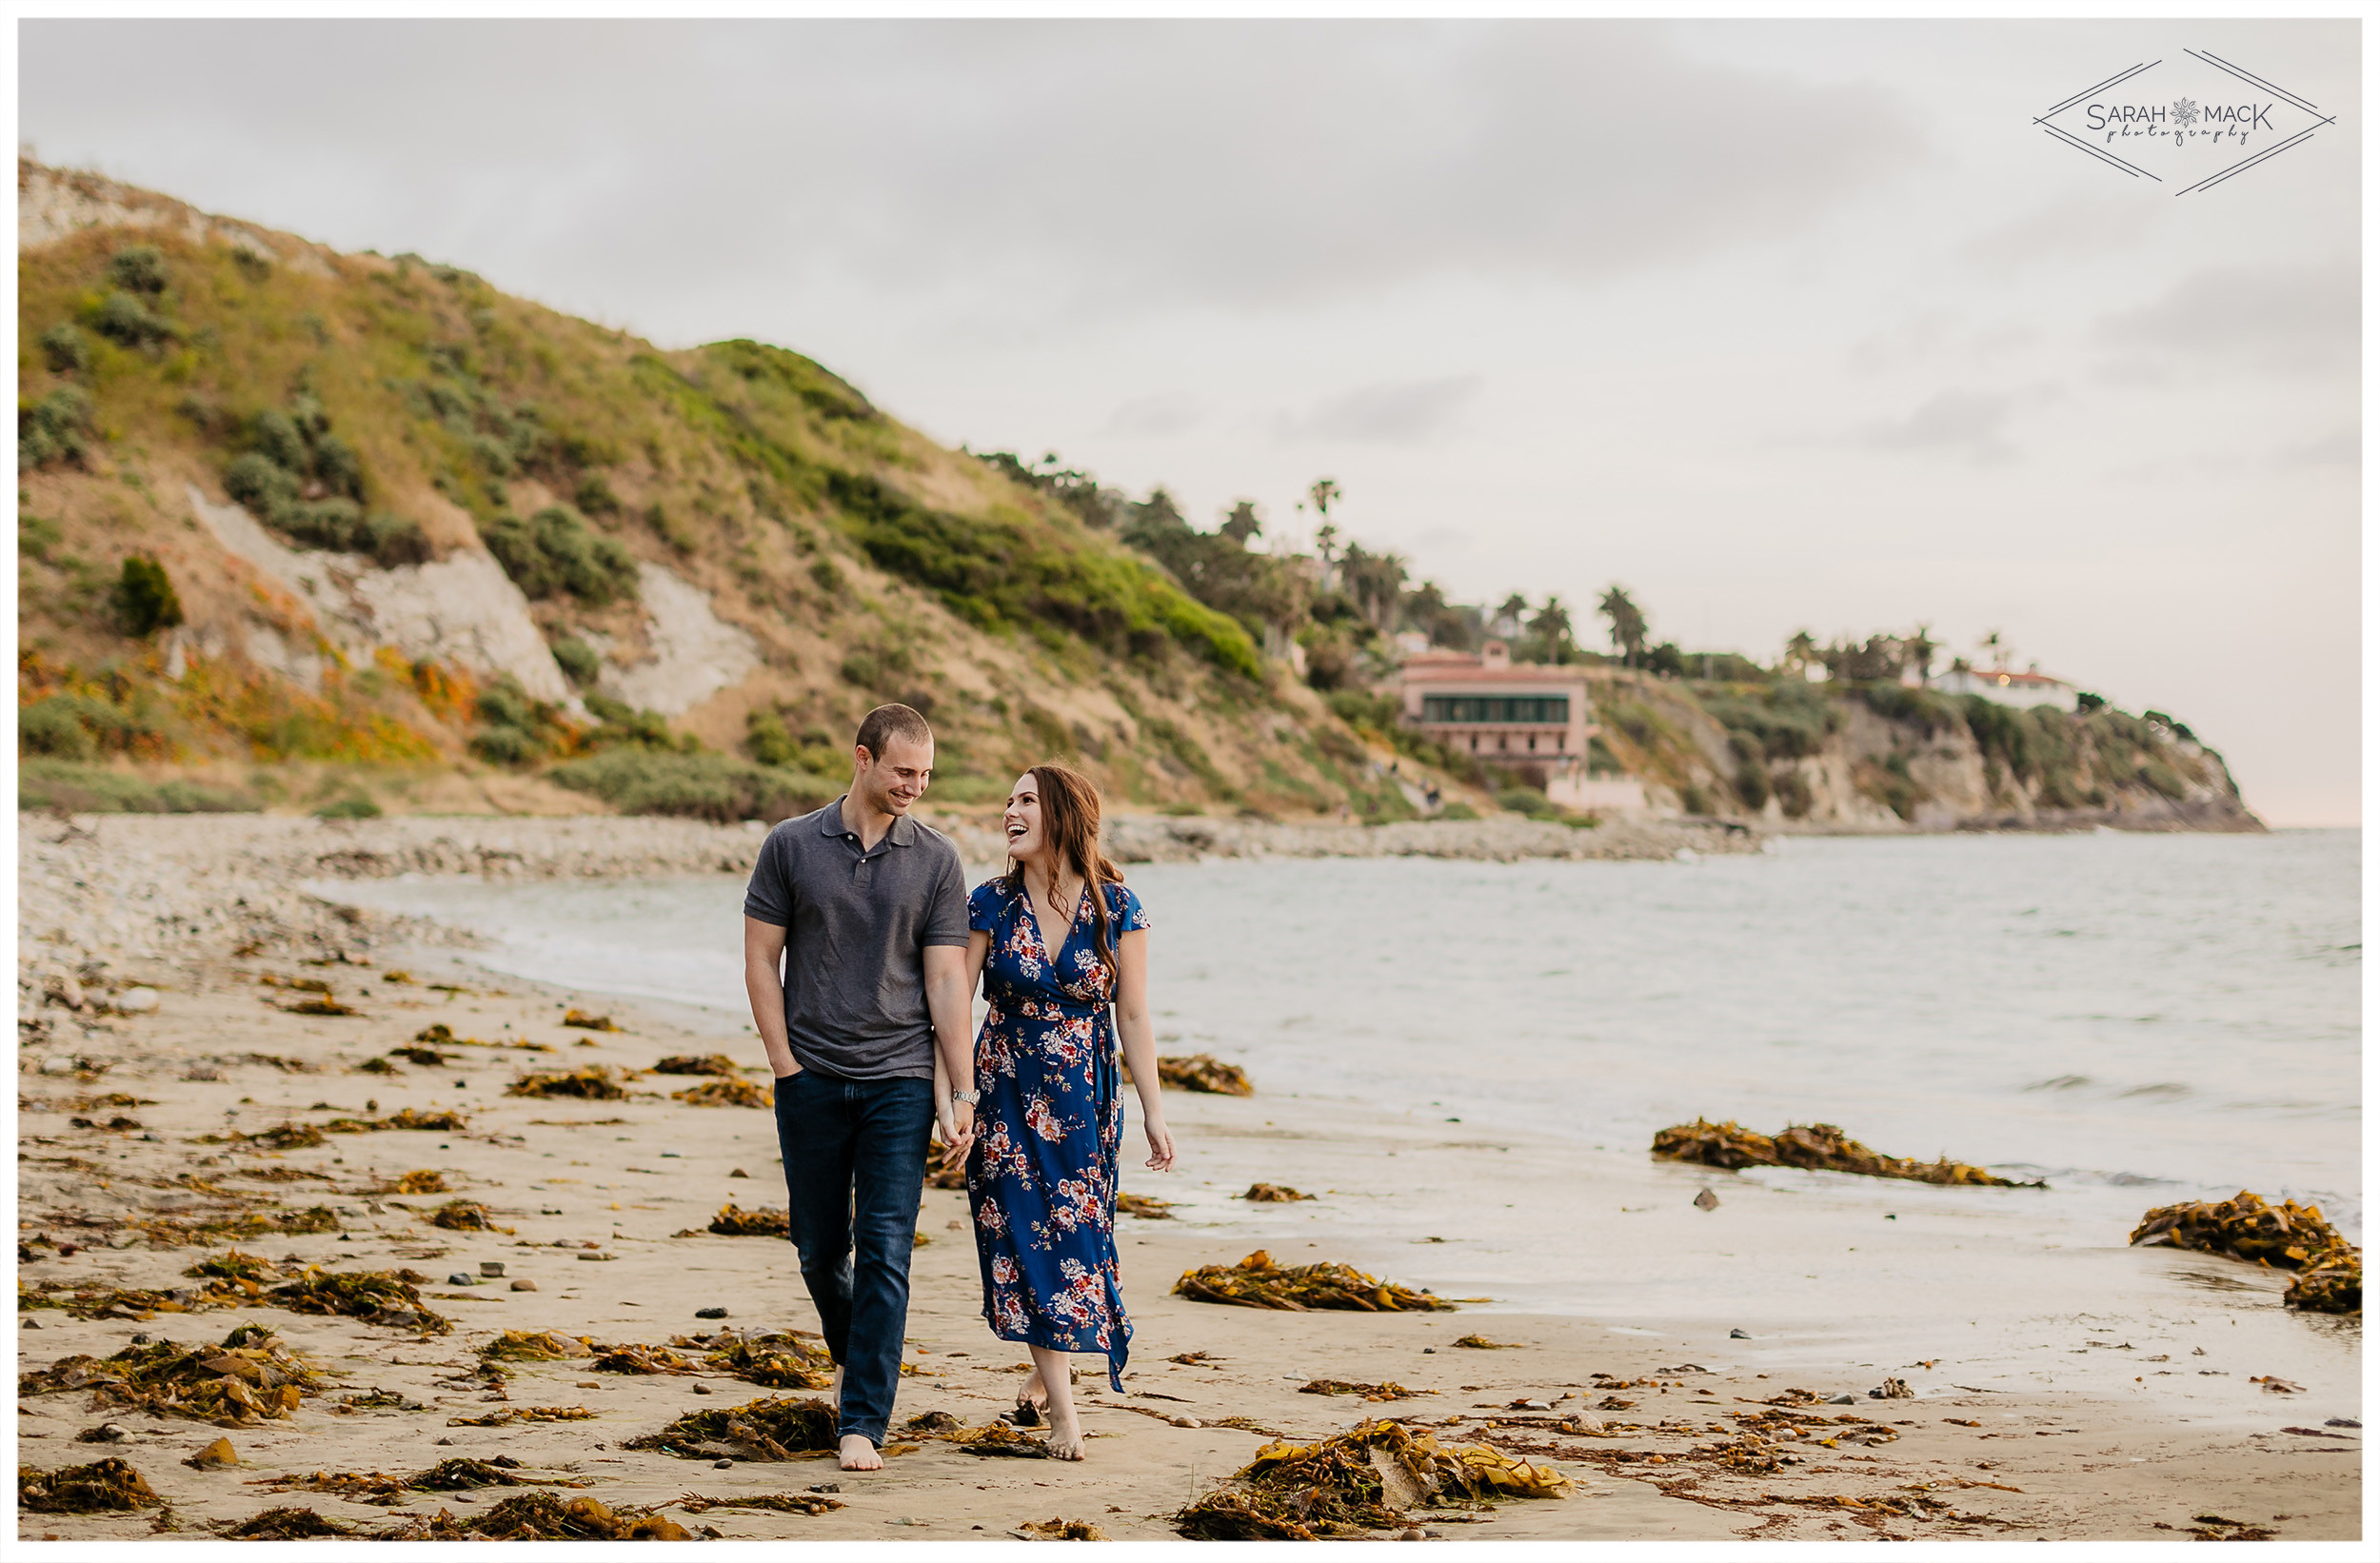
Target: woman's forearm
[[1140, 1039]]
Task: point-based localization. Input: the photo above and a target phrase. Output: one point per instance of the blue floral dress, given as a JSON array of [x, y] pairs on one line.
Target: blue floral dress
[[1041, 1177]]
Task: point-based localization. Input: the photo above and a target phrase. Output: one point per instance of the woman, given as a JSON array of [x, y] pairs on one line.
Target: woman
[[1058, 939]]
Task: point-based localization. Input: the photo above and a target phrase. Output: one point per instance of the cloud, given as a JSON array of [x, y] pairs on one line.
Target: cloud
[[1157, 417], [2342, 447], [1402, 412], [2289, 319], [1969, 423], [2069, 230], [1127, 164]]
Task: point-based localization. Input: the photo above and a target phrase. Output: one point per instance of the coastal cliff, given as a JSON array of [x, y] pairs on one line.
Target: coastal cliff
[[1888, 757]]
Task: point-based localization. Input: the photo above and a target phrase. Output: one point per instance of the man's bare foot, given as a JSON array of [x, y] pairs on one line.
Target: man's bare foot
[[860, 1454], [1065, 1438]]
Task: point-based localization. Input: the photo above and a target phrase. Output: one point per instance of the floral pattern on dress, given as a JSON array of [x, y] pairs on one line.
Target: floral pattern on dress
[[1041, 1177]]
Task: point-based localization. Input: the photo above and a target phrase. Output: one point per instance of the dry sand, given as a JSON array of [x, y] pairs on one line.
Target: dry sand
[[219, 1051]]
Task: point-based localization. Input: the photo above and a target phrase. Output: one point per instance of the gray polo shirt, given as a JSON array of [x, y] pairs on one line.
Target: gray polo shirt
[[857, 924]]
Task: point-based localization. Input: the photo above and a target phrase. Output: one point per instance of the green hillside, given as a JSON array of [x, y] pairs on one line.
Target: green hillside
[[382, 415]]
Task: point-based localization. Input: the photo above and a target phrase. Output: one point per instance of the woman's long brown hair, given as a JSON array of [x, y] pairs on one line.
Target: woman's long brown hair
[[1070, 820]]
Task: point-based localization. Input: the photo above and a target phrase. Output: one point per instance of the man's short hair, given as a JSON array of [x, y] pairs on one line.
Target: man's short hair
[[890, 721]]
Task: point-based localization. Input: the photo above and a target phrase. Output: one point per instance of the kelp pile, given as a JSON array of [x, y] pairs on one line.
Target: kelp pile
[[1273, 1194], [725, 1092], [1144, 1207], [584, 1021], [541, 1517], [384, 1298], [708, 1064], [591, 1082], [250, 1378], [283, 1525], [734, 1222], [1482, 1343], [91, 1301], [420, 1181], [1200, 1072], [441, 1034], [524, 1414], [534, 1346], [103, 1487], [1258, 1282], [776, 1359], [638, 1359], [464, 1216], [1055, 1529], [1357, 1481], [2284, 1237], [1391, 1391], [772, 1429], [1819, 1146], [459, 1475], [784, 1503]]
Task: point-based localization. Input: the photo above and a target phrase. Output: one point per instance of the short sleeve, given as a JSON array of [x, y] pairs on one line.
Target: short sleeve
[[984, 908], [770, 897], [946, 918], [1125, 908]]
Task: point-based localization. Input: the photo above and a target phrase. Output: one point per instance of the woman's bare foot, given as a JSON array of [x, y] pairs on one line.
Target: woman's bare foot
[[860, 1454], [1065, 1438]]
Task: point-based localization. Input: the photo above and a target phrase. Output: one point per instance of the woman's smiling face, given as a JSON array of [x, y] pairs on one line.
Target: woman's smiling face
[[1022, 818]]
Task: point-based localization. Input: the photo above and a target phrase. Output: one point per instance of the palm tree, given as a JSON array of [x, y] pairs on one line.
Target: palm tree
[[1628, 625], [1242, 525], [1801, 650], [1919, 648], [1552, 627]]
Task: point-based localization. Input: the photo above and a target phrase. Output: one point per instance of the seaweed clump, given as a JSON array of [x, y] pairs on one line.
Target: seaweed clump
[[1144, 1206], [784, 1503], [541, 1517], [109, 1486], [250, 1378], [1258, 1282], [464, 1216], [1357, 1481], [1202, 1072], [708, 1064], [776, 1360], [538, 1346], [291, 1524], [772, 1429], [590, 1083], [1273, 1194], [1055, 1529], [377, 1297], [2284, 1237], [1391, 1391], [725, 1092], [635, 1358], [732, 1221], [1820, 1146]]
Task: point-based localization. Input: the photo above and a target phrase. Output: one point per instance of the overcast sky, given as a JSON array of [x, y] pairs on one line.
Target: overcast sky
[[1785, 326]]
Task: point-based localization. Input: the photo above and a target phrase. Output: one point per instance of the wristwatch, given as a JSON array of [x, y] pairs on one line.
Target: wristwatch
[[970, 1098]]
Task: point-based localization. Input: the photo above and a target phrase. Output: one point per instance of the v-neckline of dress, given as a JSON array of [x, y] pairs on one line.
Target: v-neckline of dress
[[1033, 915]]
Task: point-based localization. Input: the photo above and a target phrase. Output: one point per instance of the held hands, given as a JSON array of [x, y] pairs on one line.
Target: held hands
[[1161, 1144], [956, 1122]]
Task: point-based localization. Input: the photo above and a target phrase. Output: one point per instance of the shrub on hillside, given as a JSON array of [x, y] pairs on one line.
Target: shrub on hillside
[[293, 454], [120, 317], [70, 727], [702, 786], [65, 349], [515, 728], [555, 553], [594, 496], [139, 267], [55, 428], [144, 599], [66, 787], [577, 659]]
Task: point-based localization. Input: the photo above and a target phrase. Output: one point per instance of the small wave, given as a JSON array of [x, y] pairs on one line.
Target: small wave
[[2060, 1082], [2162, 1091]]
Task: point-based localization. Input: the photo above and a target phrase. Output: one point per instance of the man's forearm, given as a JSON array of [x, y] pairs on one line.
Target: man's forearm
[[947, 1002], [767, 993]]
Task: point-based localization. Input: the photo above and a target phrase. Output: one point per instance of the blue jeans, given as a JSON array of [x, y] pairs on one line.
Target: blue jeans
[[855, 1168]]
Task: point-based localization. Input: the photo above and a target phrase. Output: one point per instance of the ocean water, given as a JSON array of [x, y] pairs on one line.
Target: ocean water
[[2136, 1018]]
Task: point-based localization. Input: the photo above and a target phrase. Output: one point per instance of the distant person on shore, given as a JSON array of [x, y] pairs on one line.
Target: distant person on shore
[[1058, 939], [867, 909]]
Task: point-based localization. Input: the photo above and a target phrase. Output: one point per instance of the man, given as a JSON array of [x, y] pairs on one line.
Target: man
[[869, 909]]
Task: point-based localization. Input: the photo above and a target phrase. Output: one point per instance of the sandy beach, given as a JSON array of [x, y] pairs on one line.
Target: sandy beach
[[1707, 1409]]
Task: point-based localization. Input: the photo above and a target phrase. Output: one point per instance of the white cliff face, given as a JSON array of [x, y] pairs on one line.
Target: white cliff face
[[460, 609], [694, 654]]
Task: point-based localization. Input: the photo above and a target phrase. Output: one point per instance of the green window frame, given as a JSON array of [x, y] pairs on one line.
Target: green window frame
[[1541, 710]]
